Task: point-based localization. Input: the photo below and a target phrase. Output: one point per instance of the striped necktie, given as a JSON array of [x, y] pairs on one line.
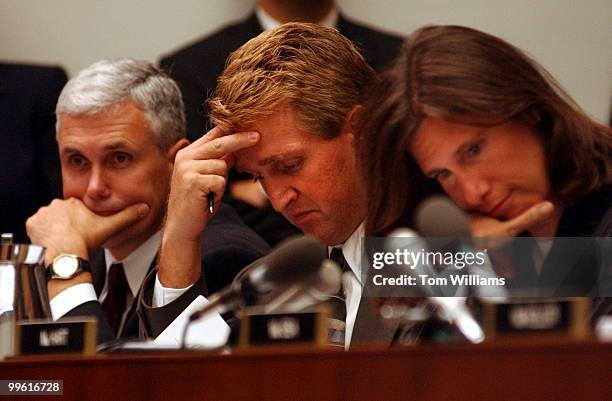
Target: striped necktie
[[337, 304]]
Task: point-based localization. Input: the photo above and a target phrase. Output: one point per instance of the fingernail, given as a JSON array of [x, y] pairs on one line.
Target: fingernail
[[546, 208], [253, 136], [143, 210]]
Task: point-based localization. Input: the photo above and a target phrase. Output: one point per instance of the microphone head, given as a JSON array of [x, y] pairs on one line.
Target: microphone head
[[293, 260], [317, 287], [403, 232], [328, 279], [438, 216], [406, 239]]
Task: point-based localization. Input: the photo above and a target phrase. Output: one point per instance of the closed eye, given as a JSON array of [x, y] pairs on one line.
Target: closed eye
[[289, 167], [441, 175]]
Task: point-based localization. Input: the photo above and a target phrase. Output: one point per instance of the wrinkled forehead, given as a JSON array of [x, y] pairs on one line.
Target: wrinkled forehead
[[124, 113], [280, 137], [105, 130], [273, 148]]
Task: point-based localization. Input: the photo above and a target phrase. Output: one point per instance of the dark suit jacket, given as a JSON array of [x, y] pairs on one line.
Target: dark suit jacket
[[573, 266], [580, 267], [30, 176], [196, 67], [369, 328], [227, 246]]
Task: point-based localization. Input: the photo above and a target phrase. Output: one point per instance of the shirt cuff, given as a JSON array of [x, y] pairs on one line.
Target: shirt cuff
[[70, 298], [162, 296]]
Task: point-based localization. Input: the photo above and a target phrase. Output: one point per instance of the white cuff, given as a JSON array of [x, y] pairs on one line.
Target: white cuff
[[208, 332], [163, 296], [70, 298]]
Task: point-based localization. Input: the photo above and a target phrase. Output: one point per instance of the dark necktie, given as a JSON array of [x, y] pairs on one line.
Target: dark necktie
[[337, 304], [114, 304]]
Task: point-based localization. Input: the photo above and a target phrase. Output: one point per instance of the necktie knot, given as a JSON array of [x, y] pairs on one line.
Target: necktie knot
[[338, 256]]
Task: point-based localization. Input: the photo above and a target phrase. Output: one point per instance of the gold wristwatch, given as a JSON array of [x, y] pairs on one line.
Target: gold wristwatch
[[65, 266]]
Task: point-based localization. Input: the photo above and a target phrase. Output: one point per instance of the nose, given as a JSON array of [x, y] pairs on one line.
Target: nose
[[281, 194], [97, 186], [471, 191]]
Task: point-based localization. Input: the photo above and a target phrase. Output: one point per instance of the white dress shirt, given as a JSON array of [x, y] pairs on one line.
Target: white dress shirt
[[351, 281], [267, 22]]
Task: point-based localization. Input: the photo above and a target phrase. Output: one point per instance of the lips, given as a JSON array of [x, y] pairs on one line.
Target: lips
[[105, 213], [301, 217], [498, 209]]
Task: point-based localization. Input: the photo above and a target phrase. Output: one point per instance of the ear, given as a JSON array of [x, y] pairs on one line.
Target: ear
[[351, 120], [180, 144]]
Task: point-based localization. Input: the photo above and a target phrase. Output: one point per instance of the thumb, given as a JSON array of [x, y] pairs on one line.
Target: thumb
[[531, 217], [129, 215], [230, 159]]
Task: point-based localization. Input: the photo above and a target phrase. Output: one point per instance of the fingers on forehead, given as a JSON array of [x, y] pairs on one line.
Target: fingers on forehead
[[226, 144], [216, 132], [210, 135]]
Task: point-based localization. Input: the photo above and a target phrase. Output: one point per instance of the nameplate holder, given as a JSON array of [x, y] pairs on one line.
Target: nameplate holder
[[45, 337], [563, 317], [283, 328]]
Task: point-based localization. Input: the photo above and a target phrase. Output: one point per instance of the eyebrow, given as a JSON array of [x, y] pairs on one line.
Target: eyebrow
[[69, 150], [433, 172], [270, 159], [110, 147], [277, 158], [117, 145]]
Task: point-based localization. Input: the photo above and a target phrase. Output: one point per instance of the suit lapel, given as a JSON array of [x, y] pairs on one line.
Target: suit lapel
[[129, 326], [369, 327]]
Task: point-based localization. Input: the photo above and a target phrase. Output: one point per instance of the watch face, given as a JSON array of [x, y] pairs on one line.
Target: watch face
[[65, 266]]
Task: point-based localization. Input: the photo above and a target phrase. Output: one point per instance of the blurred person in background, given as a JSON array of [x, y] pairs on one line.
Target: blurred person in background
[[30, 175]]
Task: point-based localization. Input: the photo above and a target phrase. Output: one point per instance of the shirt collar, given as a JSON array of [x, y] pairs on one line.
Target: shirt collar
[[136, 264], [351, 249], [267, 22]]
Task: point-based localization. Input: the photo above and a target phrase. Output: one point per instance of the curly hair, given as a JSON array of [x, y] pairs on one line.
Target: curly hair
[[315, 69]]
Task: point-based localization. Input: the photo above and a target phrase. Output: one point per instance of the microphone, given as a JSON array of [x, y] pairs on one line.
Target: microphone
[[405, 238], [291, 261], [447, 227], [317, 288], [438, 216], [451, 309]]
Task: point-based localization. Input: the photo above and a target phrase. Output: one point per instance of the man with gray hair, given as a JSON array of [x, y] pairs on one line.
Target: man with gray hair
[[120, 124]]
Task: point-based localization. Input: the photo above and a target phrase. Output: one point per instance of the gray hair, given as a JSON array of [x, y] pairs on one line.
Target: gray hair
[[108, 83]]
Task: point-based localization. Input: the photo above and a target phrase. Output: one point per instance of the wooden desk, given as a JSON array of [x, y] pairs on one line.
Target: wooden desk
[[512, 371]]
